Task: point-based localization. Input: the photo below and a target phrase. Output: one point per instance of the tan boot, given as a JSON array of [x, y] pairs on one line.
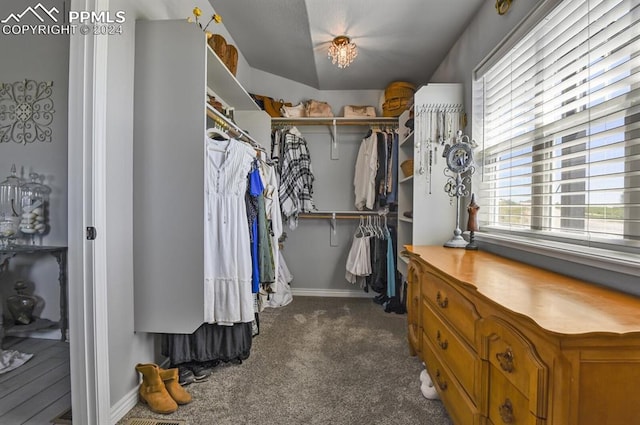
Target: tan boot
[[152, 390], [171, 383]]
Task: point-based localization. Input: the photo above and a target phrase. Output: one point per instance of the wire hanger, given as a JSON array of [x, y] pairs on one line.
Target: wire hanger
[[360, 231]]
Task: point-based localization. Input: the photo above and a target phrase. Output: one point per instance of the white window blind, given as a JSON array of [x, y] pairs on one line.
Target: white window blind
[[560, 136]]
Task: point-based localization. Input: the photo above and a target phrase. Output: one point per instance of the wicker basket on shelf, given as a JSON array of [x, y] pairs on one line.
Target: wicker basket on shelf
[[227, 53], [397, 98], [407, 167], [400, 89], [231, 59], [219, 45]]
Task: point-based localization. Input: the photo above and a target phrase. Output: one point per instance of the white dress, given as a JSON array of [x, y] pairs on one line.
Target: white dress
[[227, 251]]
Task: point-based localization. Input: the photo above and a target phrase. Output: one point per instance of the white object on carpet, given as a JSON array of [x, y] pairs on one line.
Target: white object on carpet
[[425, 378], [429, 391], [11, 359]]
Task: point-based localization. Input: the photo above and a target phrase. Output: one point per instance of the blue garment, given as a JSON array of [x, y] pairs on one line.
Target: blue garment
[[255, 189], [391, 268], [392, 197]]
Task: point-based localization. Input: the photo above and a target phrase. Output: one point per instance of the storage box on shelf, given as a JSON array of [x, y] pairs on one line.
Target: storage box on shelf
[[506, 342]]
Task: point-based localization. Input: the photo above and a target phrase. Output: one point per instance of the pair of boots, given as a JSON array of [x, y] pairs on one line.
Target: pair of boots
[[160, 388]]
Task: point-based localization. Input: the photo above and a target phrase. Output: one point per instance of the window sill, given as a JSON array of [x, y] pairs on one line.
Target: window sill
[[619, 262]]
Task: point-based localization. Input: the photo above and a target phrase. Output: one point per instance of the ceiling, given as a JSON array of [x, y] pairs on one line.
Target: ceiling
[[401, 40]]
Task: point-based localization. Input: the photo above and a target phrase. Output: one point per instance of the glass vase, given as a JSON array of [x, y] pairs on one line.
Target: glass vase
[[21, 305]]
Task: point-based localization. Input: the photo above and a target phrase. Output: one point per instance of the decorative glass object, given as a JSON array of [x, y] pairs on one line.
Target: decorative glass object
[[10, 195], [34, 204], [21, 305], [10, 192], [9, 228]]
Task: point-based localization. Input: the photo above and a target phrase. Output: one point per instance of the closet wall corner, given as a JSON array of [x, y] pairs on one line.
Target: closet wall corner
[[317, 249]]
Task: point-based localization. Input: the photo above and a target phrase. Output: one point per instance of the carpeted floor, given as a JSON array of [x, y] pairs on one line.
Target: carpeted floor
[[316, 361]]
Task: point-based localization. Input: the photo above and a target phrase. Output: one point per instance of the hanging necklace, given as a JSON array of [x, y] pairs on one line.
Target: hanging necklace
[[430, 144], [421, 141]]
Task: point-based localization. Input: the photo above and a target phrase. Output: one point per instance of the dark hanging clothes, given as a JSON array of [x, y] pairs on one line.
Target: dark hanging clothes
[[377, 280], [209, 343], [381, 173]]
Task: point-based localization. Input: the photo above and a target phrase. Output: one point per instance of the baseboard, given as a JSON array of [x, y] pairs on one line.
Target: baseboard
[[339, 293], [127, 402], [123, 405]]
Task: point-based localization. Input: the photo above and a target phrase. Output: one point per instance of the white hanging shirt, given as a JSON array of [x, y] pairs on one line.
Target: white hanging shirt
[[364, 180]]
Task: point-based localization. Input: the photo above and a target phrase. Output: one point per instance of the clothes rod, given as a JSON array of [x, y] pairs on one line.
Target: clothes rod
[[390, 121], [354, 212], [331, 217], [344, 215], [236, 131]]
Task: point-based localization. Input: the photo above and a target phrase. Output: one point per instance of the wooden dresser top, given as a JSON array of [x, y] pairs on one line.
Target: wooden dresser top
[[555, 302]]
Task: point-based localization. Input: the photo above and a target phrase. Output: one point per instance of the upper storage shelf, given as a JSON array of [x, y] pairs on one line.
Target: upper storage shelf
[[226, 86], [335, 121]]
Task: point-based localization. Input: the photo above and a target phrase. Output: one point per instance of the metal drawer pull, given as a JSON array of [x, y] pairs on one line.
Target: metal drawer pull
[[506, 360], [443, 302], [506, 412], [443, 344], [442, 384]]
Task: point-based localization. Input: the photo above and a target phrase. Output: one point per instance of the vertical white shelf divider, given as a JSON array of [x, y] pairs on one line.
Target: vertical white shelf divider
[[433, 211]]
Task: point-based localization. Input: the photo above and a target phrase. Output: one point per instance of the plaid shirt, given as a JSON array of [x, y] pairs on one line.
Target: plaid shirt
[[296, 178]]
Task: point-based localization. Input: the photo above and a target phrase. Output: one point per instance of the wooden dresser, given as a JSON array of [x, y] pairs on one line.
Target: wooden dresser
[[509, 343]]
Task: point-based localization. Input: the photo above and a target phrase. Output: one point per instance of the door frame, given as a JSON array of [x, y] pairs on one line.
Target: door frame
[[88, 317]]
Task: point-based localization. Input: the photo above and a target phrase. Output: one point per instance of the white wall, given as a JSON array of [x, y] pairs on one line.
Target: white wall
[[39, 58], [318, 267], [267, 84]]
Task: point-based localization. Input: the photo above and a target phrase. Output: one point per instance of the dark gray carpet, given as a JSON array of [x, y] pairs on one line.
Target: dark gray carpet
[[316, 361]]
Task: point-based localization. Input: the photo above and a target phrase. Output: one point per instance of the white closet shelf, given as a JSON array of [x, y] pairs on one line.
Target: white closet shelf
[[336, 120], [403, 259], [406, 179], [405, 219], [408, 139], [227, 87]]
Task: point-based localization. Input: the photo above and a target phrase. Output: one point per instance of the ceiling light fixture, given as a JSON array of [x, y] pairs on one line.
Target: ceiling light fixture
[[342, 51]]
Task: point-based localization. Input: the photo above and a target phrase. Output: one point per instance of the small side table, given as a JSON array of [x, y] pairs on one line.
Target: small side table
[[60, 254]]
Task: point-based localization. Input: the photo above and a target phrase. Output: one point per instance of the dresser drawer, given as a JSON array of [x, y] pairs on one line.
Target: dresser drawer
[[507, 405], [459, 406], [458, 310], [456, 354], [514, 357]]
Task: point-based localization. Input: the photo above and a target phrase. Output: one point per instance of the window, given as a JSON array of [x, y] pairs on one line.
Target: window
[[560, 129]]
